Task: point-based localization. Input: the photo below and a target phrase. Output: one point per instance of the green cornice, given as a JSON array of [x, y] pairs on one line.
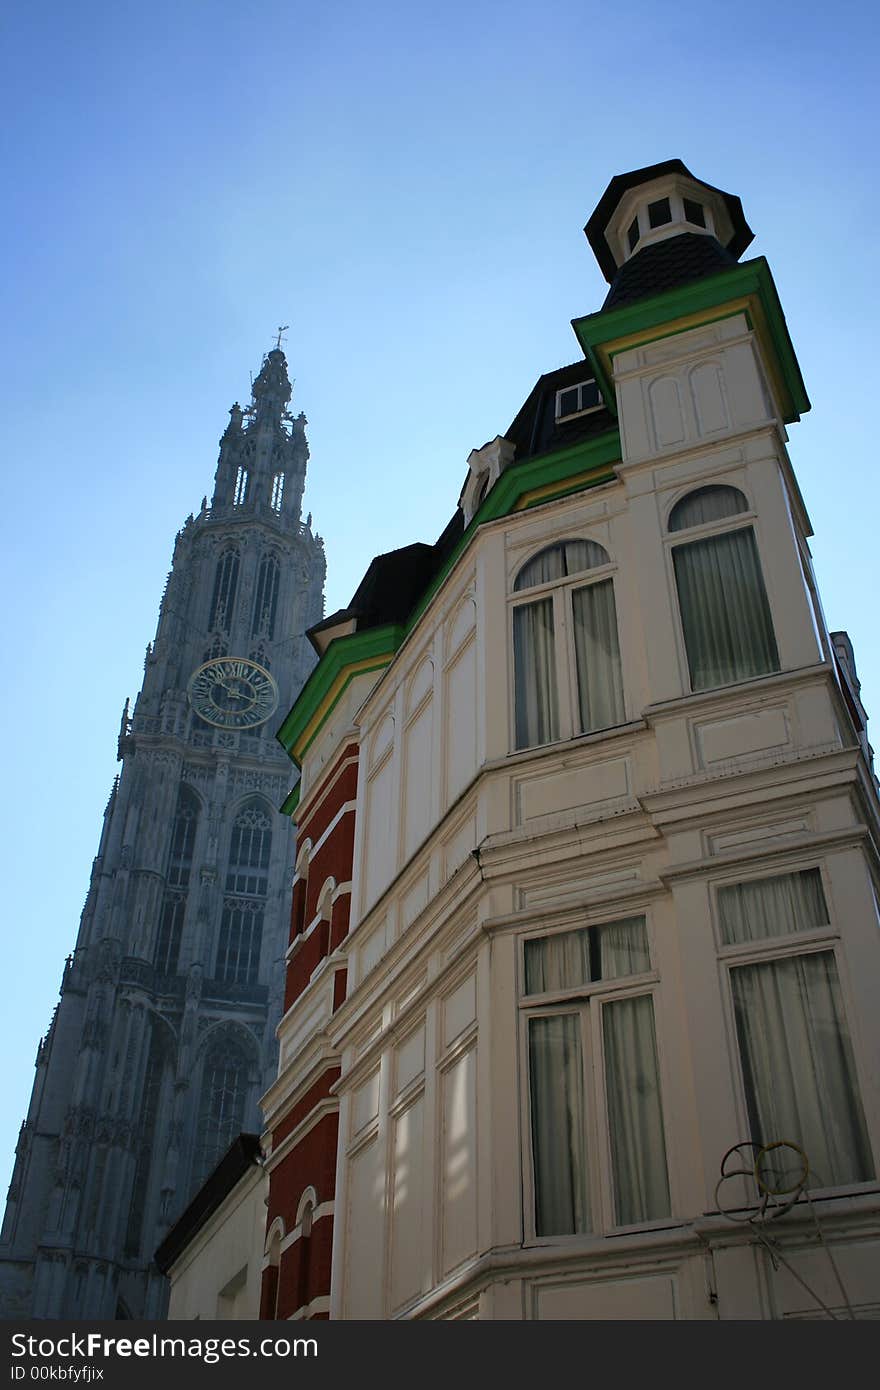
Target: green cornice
[[745, 288], [556, 474], [291, 801], [344, 658]]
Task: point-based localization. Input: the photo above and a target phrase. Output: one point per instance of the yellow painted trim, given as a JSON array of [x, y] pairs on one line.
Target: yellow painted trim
[[538, 494], [369, 663], [749, 304]]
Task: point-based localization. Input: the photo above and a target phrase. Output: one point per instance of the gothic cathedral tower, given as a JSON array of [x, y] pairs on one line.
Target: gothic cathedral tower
[[164, 1036]]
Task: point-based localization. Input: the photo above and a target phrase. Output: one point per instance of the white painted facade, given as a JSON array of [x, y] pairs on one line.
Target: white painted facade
[[217, 1275], [467, 847]]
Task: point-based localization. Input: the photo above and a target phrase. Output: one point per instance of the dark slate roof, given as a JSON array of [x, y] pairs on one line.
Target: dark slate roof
[[535, 429], [622, 183], [667, 264], [239, 1158]]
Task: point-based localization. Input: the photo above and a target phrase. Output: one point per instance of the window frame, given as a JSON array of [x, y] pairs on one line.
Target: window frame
[[786, 946], [582, 409], [709, 530], [588, 1002], [564, 652]]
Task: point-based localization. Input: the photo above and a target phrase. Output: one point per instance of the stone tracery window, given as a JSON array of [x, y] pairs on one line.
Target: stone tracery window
[[221, 1104], [180, 858], [225, 587], [247, 885], [266, 602]]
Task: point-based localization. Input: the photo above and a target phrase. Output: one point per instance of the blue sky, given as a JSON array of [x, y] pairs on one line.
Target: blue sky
[[405, 185]]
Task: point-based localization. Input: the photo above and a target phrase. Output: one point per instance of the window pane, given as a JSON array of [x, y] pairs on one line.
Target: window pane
[[558, 1136], [568, 401], [659, 213], [798, 1065], [600, 683], [632, 235], [569, 959], [707, 504], [694, 212], [560, 561], [635, 1116], [772, 907], [724, 611], [534, 661]]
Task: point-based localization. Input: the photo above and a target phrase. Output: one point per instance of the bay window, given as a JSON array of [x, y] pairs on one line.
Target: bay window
[[798, 1069], [598, 1151], [725, 616], [566, 657]]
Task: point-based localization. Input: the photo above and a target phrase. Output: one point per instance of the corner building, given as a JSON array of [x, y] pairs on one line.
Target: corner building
[[164, 1037], [588, 842]]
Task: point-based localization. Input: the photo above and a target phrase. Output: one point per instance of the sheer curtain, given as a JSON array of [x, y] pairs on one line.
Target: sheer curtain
[[605, 952], [798, 1064], [600, 683], [537, 714], [635, 1117], [558, 561], [562, 1203], [773, 906], [724, 611]]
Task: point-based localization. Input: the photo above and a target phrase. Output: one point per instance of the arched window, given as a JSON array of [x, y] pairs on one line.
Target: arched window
[[221, 1105], [225, 585], [562, 688], [218, 647], [266, 602], [241, 486], [725, 616], [247, 884], [277, 491], [177, 875]]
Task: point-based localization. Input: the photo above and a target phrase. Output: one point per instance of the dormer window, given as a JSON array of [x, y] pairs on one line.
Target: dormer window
[[577, 400], [659, 213]]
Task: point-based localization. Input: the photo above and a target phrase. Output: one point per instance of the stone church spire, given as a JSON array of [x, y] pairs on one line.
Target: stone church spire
[[164, 1036]]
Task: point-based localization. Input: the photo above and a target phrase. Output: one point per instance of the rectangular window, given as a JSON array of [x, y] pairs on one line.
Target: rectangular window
[[599, 677], [632, 235], [798, 1067], [725, 616], [594, 1064], [534, 660], [768, 907], [575, 400], [694, 212], [659, 213]]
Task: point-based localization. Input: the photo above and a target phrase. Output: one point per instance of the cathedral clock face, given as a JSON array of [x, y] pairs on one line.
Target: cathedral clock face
[[232, 693]]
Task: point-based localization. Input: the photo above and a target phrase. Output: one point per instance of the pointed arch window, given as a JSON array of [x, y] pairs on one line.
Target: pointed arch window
[[180, 858], [266, 602], [241, 486], [225, 586], [247, 886], [277, 491], [725, 615], [221, 1105], [566, 655]]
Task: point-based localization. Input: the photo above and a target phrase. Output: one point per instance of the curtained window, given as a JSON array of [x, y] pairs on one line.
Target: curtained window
[[725, 616], [594, 1082], [798, 1068], [566, 657]]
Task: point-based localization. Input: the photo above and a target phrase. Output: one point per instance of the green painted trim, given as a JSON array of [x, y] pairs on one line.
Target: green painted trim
[[521, 478], [594, 331], [291, 801], [357, 648], [342, 652]]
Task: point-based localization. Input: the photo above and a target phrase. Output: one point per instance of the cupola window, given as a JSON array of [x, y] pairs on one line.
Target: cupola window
[[659, 213], [632, 235], [694, 212]]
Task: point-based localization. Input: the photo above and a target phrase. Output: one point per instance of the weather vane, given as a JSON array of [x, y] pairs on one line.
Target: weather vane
[[282, 329]]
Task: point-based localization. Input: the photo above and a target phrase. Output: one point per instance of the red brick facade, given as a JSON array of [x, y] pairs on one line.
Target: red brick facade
[[302, 1174]]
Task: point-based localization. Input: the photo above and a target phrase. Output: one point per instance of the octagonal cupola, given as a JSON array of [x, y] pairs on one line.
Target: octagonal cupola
[[647, 206]]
